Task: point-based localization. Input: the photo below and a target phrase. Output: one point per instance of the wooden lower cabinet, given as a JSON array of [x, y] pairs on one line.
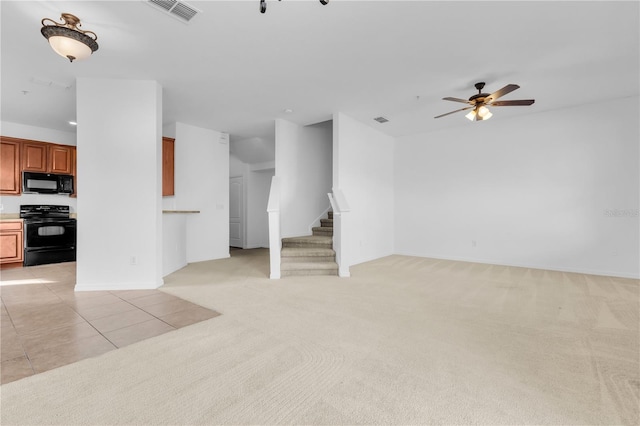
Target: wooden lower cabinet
[[11, 243]]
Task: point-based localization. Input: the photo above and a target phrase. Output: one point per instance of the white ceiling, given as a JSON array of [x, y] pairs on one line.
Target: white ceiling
[[235, 70]]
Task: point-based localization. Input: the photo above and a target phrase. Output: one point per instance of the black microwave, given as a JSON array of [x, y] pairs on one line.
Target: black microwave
[[46, 183]]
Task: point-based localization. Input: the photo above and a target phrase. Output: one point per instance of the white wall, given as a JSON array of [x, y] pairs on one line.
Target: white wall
[[23, 131], [119, 174], [174, 242], [11, 203], [257, 231], [236, 167], [202, 183], [363, 170], [554, 190], [303, 162]]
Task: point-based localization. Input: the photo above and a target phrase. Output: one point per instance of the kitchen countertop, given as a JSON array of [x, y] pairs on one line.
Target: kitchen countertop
[[16, 216]]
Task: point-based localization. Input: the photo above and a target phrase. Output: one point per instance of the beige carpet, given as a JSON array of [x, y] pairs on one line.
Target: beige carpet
[[404, 341]]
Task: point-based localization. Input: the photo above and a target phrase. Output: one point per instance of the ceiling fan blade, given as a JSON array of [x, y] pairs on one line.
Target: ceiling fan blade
[[458, 110], [464, 101], [500, 93], [513, 103]]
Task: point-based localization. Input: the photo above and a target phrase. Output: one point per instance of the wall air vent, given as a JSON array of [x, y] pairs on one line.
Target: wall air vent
[[381, 119], [178, 9]]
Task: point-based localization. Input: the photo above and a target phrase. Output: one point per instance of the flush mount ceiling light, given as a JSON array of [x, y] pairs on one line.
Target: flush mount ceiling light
[[67, 39], [263, 4]]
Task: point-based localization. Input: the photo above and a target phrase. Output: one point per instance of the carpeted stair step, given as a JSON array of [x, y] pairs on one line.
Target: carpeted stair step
[[308, 268], [310, 255], [312, 241], [326, 222], [322, 230], [307, 254]]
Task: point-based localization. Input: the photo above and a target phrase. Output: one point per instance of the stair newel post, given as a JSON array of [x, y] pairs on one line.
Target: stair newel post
[[340, 216], [273, 208], [343, 265]]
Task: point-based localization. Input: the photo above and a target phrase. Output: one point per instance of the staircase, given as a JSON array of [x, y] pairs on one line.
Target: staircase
[[310, 255]]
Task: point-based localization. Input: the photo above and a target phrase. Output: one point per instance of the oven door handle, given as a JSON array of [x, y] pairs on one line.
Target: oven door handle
[[49, 221]]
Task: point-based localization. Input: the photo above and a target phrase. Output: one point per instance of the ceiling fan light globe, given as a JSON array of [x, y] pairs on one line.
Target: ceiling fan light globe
[[484, 113], [472, 115]]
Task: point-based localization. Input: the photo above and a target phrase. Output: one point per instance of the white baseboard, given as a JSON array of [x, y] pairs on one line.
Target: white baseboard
[[522, 265], [119, 286]]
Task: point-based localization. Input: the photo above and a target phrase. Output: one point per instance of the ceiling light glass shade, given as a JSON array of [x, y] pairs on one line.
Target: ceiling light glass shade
[[484, 113], [472, 115], [67, 40], [69, 48]]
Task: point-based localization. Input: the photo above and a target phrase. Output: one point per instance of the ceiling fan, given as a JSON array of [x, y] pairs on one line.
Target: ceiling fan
[[479, 102]]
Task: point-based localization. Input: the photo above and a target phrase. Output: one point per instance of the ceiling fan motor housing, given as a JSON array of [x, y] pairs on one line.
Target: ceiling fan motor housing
[[479, 97]]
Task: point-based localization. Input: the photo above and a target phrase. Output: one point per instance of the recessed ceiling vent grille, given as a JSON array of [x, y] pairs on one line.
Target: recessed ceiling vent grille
[[381, 119], [178, 9]]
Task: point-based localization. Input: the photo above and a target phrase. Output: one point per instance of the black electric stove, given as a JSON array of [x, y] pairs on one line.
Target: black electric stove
[[49, 234]]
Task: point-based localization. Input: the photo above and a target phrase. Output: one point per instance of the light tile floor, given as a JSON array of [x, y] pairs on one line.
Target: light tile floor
[[45, 324]]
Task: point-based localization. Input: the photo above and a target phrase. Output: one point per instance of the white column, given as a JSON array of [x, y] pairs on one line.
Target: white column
[[119, 184]]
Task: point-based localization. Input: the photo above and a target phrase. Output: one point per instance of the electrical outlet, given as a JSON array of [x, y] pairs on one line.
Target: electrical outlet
[[473, 243], [133, 260]]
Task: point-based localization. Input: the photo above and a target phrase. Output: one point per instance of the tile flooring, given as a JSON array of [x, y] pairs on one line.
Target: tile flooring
[[46, 324]]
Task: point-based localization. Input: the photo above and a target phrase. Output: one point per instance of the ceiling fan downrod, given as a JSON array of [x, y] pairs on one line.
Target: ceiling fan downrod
[[479, 86]]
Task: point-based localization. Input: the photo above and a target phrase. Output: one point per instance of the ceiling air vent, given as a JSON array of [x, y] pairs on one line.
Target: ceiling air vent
[[178, 9], [381, 119]]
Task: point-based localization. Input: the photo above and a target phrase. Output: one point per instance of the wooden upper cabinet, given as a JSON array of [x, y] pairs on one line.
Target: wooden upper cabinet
[[168, 168], [17, 155], [9, 166], [60, 159], [74, 170], [34, 157], [46, 157]]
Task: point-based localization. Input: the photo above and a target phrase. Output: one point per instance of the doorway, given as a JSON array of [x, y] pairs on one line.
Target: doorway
[[236, 212]]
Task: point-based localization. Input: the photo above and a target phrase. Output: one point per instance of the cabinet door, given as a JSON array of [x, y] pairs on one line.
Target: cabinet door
[[74, 171], [34, 157], [168, 170], [9, 167], [59, 159], [11, 249]]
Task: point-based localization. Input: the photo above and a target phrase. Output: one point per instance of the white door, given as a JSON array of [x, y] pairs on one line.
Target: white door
[[236, 212]]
